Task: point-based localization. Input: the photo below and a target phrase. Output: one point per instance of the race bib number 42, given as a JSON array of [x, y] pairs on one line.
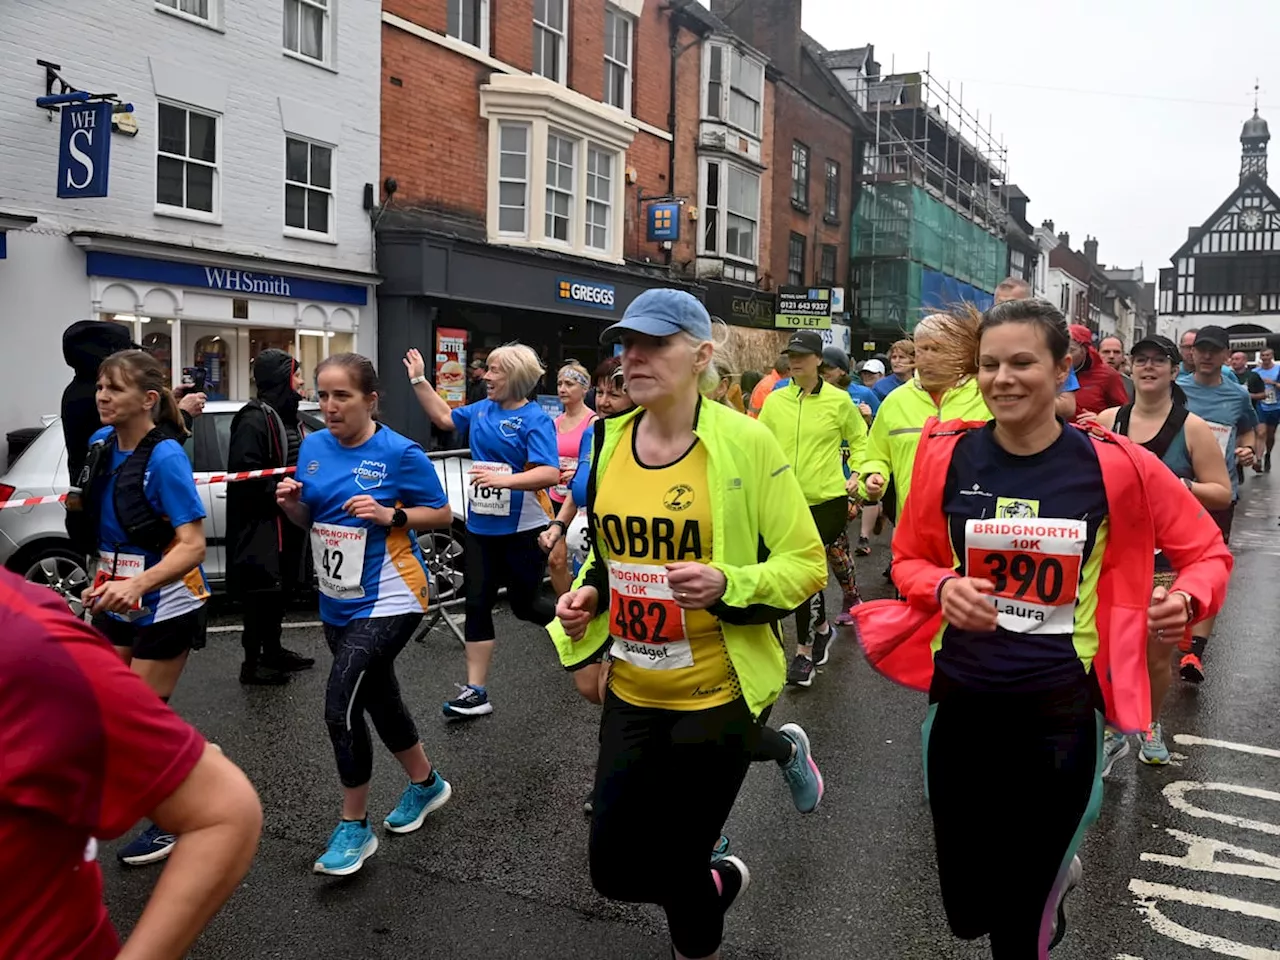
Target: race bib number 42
[[1035, 566], [338, 553], [491, 501], [647, 626]]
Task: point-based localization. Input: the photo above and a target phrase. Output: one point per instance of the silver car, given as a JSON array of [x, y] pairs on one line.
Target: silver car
[[34, 543]]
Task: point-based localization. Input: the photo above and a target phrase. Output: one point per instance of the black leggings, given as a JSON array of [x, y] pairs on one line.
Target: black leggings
[[514, 561], [831, 518], [363, 680], [1010, 811], [665, 784]]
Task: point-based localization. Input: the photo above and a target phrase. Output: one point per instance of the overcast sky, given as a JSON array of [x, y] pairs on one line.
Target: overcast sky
[[1121, 117]]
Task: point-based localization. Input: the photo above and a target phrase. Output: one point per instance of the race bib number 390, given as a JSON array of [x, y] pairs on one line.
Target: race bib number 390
[[647, 626], [338, 554], [1035, 566], [491, 501]]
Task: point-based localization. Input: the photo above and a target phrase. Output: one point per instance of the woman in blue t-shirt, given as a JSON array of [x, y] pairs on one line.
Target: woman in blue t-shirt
[[361, 491], [149, 594], [514, 461]]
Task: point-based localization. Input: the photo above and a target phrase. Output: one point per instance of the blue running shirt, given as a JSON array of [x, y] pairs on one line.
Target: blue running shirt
[[365, 570], [508, 441], [171, 491]]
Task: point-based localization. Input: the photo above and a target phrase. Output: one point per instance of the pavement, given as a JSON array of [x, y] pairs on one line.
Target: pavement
[[1184, 862]]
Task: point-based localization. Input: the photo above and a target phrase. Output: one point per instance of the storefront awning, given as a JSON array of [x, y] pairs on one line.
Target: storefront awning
[[11, 221]]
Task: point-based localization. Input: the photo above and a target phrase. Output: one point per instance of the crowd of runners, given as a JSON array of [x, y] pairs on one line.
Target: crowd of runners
[[1059, 514]]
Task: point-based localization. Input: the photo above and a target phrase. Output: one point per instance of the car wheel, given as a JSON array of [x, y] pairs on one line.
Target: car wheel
[[62, 571], [442, 550]]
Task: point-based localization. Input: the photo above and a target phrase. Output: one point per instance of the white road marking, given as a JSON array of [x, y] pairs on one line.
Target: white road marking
[[1202, 853], [288, 625], [1176, 793], [1187, 740], [1147, 894]]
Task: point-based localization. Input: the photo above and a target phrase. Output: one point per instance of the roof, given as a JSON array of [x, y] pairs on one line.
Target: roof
[[1255, 128], [854, 59], [696, 11], [1195, 233]]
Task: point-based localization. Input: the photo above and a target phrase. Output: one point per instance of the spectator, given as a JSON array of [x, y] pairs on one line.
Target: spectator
[[477, 389]]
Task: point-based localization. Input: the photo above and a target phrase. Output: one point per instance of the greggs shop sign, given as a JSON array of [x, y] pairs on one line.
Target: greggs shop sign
[[599, 296]]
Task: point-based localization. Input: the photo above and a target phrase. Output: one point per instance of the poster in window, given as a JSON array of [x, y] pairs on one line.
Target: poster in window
[[451, 365]]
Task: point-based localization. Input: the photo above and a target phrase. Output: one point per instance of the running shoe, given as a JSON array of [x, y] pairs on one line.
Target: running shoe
[[416, 802], [801, 773], [150, 846], [864, 547], [847, 603], [1058, 929], [720, 850], [350, 845], [732, 879], [471, 701], [1115, 746], [800, 673], [288, 661], [260, 675], [1191, 669], [822, 646], [1153, 750]]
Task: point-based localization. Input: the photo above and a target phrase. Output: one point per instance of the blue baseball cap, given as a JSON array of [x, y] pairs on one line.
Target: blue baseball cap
[[660, 313]]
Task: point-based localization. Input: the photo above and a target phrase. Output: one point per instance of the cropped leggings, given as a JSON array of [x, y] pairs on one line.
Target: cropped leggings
[[363, 680], [514, 561]]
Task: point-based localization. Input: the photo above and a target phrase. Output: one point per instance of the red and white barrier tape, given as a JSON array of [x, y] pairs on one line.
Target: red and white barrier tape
[[200, 481]]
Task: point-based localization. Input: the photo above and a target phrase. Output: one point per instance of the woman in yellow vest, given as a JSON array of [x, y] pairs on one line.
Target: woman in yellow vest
[[702, 542]]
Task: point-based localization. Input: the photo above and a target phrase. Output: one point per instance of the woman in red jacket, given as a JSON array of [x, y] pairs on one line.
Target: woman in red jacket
[[1025, 555]]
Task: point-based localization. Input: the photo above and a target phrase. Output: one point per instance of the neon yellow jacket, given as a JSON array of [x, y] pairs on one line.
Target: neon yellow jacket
[[810, 429], [895, 432], [757, 511]]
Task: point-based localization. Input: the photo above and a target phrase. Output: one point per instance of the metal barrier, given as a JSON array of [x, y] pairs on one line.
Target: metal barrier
[[442, 550]]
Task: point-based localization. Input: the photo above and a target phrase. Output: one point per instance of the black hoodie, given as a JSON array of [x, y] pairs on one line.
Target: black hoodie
[[85, 344]]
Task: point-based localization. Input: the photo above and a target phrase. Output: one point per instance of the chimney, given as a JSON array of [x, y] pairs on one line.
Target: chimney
[[1064, 238], [1047, 225], [1091, 249], [771, 26]]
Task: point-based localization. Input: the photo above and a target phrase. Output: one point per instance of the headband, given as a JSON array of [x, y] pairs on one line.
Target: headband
[[577, 376]]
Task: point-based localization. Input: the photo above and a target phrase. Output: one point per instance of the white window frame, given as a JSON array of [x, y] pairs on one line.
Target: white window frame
[[326, 41], [575, 194], [725, 212], [594, 150], [173, 8], [611, 63], [562, 41], [526, 183], [303, 233], [482, 17], [729, 55], [184, 212]]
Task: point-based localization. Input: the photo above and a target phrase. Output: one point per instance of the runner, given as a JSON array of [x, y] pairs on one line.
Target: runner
[[835, 371], [811, 421], [1111, 350], [760, 393], [871, 373], [363, 490], [1100, 384], [695, 663], [1269, 408], [88, 749], [572, 384], [148, 597], [1231, 417], [1159, 420], [726, 392], [1059, 528], [902, 362], [515, 459], [1186, 351], [1257, 390], [1015, 288]]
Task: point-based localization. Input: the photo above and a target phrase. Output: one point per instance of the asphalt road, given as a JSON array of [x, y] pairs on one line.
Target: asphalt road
[[501, 871]]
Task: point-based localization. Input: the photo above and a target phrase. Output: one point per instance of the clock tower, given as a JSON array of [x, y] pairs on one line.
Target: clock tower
[[1253, 143]]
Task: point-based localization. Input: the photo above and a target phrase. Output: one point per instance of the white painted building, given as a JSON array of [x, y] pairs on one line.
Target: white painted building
[[235, 214]]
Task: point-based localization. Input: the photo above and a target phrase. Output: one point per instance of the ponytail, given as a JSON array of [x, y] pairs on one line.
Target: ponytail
[[140, 369]]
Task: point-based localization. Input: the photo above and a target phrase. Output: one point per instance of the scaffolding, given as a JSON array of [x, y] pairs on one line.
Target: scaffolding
[[931, 201]]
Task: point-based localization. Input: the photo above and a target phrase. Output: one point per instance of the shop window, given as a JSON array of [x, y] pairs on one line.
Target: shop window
[[469, 22], [617, 59], [187, 162], [513, 179], [213, 355], [599, 197], [799, 175], [308, 187], [306, 29], [560, 181], [550, 31], [795, 261]]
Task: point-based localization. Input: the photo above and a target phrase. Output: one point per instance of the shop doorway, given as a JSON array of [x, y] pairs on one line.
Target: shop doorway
[[212, 350]]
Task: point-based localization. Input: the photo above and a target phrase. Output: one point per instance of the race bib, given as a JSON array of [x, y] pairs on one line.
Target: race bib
[[647, 626], [1221, 433], [491, 501], [121, 566], [1035, 566], [568, 464], [338, 554], [578, 538], [1269, 392]]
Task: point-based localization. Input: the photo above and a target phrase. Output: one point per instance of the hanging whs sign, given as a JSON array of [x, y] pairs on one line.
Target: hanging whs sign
[[451, 365]]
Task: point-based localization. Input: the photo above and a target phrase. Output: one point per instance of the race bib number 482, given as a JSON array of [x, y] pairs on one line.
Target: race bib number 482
[[1035, 567], [647, 626]]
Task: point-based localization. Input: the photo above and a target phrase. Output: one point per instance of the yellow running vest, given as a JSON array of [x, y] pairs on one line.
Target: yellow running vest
[[645, 518]]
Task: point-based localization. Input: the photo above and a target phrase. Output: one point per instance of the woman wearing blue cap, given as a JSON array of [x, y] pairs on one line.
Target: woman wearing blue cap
[[686, 498]]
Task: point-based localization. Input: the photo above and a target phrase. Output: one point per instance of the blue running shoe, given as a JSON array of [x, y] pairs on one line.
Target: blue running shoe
[[350, 845], [150, 846], [801, 773], [470, 702], [1153, 751], [720, 850], [416, 802]]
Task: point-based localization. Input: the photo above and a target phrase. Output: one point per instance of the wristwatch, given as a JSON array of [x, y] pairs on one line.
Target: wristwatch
[[414, 381], [560, 524], [399, 519]]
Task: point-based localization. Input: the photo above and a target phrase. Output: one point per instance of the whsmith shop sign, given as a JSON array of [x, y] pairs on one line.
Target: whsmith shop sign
[[808, 308]]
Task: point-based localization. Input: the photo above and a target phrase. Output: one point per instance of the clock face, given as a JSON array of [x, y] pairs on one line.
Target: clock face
[[1251, 219]]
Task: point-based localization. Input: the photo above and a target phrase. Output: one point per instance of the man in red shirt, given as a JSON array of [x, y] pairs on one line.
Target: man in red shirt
[[781, 369], [86, 751], [1101, 386]]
